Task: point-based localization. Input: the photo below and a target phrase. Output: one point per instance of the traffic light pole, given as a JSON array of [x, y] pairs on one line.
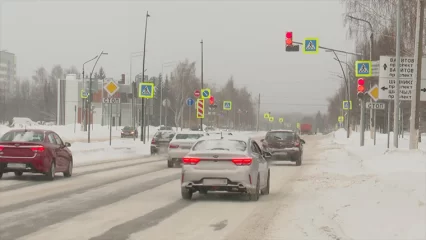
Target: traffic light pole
[[361, 143]]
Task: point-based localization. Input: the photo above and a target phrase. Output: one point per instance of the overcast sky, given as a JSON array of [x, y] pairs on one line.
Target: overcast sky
[[245, 39]]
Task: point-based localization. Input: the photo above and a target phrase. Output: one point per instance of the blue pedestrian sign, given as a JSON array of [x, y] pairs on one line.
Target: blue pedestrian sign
[[205, 93], [363, 69], [347, 105], [146, 90], [190, 101], [310, 46], [227, 105]]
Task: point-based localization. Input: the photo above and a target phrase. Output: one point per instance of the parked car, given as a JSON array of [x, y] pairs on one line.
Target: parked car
[[129, 132], [165, 128], [227, 163], [284, 145], [35, 151], [180, 145], [160, 141]]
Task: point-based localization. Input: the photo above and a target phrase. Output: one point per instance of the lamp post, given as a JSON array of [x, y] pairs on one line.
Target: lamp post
[[167, 64], [143, 80], [83, 111], [89, 106]]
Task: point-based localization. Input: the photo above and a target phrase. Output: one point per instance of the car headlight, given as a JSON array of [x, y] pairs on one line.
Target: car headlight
[[131, 132]]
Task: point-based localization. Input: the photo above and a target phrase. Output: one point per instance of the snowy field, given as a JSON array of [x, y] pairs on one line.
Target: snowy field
[[358, 193]]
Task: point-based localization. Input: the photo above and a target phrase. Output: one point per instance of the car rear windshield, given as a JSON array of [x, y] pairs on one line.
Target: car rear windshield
[[181, 136], [127, 128], [280, 136], [22, 136], [220, 144]]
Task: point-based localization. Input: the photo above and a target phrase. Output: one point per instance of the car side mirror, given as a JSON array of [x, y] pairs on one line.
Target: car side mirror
[[67, 144], [303, 141], [267, 155]]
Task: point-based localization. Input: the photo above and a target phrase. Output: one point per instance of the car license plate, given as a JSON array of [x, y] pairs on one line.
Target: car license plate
[[16, 165], [215, 182]]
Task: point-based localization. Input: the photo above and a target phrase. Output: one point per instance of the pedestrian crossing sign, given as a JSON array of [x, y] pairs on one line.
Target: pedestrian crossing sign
[[146, 90], [363, 69], [227, 105], [310, 46], [266, 115], [271, 119], [347, 105], [281, 120], [340, 119]]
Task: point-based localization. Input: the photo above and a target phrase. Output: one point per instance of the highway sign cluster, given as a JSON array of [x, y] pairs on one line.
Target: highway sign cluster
[[387, 78], [375, 105]]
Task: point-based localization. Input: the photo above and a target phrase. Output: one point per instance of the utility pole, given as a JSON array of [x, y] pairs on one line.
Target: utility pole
[[398, 61], [415, 97], [143, 80], [258, 113], [202, 82]]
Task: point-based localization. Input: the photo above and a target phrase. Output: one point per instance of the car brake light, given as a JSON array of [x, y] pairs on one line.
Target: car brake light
[[242, 161], [190, 161], [296, 143], [37, 149], [153, 141], [1, 148], [173, 146]]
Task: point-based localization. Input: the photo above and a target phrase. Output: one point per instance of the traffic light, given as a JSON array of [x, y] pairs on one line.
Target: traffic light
[[289, 47], [211, 100], [361, 87]]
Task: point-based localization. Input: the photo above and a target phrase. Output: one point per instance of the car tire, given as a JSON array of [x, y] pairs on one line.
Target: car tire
[[68, 173], [299, 160], [265, 191], [186, 193], [50, 175], [18, 174], [170, 164], [255, 195]]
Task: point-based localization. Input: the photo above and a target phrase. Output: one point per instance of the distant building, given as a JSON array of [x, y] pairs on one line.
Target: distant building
[[7, 66]]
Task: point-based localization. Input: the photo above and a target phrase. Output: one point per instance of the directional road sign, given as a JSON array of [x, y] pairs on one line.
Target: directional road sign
[[190, 101], [197, 93], [387, 78], [363, 69], [111, 87], [375, 105], [205, 93], [200, 108], [347, 105], [340, 119], [374, 93], [271, 119], [310, 46], [281, 120], [266, 115], [227, 105], [84, 94], [146, 90]]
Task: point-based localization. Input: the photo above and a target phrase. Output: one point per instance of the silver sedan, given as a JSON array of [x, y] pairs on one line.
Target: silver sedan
[[226, 163]]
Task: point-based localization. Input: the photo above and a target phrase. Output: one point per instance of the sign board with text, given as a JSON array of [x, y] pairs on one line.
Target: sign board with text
[[111, 100], [375, 105]]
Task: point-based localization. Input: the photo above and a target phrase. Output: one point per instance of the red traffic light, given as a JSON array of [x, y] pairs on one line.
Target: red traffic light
[[361, 81], [289, 35], [211, 100], [289, 38]]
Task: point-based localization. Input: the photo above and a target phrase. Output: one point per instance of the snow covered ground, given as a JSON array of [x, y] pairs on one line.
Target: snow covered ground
[[357, 193]]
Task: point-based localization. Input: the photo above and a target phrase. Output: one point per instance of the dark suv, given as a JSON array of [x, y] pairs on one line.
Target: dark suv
[[284, 145], [160, 141]]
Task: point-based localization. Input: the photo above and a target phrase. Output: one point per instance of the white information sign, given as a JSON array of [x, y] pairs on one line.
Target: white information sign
[[111, 100], [375, 105], [387, 78]]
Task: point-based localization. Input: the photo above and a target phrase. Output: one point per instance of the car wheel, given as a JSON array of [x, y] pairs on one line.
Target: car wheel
[[68, 173], [255, 195], [18, 174], [50, 175], [299, 160], [265, 191], [170, 163], [186, 193]]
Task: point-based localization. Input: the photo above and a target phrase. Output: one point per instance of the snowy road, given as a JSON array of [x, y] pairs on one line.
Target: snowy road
[[138, 199]]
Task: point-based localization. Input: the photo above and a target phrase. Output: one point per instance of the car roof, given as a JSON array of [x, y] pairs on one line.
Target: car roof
[[190, 132], [282, 130], [226, 137], [30, 130]]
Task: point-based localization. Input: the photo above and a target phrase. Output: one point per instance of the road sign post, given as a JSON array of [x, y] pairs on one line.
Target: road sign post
[[111, 88]]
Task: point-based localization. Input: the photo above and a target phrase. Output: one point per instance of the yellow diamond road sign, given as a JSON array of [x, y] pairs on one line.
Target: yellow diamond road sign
[[111, 87], [374, 93]]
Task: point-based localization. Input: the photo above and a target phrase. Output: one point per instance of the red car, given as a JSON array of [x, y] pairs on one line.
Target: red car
[[35, 151]]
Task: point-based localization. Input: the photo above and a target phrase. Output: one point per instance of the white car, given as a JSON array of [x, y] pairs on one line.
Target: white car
[[181, 144]]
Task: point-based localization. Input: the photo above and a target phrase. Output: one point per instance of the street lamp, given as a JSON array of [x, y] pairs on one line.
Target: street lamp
[[83, 111], [90, 94], [166, 64]]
